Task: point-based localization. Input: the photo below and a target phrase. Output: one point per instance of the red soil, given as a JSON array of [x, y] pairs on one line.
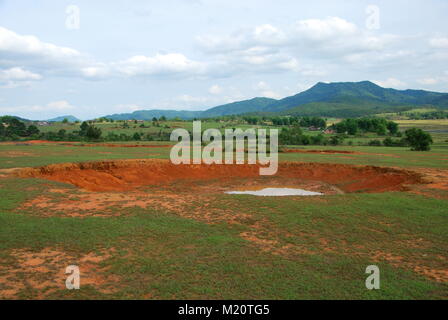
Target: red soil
[[128, 174]]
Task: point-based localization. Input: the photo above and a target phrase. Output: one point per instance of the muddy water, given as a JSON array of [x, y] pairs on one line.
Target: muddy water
[[277, 192]]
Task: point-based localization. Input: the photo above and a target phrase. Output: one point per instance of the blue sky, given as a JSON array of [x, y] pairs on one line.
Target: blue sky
[[91, 58]]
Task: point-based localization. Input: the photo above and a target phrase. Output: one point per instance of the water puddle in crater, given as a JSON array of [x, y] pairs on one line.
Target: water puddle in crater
[[277, 192]]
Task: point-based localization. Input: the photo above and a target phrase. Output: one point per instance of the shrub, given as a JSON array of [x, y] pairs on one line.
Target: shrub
[[93, 133], [418, 139], [375, 143]]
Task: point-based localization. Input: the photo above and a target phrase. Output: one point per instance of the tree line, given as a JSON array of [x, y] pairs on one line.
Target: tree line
[[379, 126]]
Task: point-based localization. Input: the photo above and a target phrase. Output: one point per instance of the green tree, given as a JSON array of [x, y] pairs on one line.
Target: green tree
[[2, 130], [61, 134], [13, 127], [93, 133], [418, 139], [392, 127], [84, 127], [351, 126], [65, 120], [32, 130]]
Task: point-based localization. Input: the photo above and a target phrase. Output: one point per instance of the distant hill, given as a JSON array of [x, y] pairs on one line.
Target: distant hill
[[364, 92], [61, 118], [354, 99], [149, 114], [240, 107], [18, 118], [252, 105], [339, 99]]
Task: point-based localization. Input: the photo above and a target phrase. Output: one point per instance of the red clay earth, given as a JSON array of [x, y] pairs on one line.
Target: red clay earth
[[124, 175]]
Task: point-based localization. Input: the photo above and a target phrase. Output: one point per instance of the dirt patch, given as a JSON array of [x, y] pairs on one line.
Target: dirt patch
[[436, 183], [8, 172], [16, 154], [263, 237], [439, 275], [124, 175], [43, 272]]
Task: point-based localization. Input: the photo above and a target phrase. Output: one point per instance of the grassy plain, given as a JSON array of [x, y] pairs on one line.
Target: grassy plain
[[197, 243]]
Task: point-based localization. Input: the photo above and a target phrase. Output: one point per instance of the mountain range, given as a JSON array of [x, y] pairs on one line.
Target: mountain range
[[339, 99]]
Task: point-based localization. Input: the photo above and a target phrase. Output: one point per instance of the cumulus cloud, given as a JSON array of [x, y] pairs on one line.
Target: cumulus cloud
[[31, 52], [310, 48], [57, 106], [265, 90], [391, 83], [160, 64], [29, 49], [268, 34], [17, 76], [324, 29], [329, 33], [269, 48]]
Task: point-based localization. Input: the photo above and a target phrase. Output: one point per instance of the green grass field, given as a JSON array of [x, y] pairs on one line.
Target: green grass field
[[211, 245]]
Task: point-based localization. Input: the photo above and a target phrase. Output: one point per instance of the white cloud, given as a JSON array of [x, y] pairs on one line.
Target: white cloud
[[390, 83], [60, 105], [121, 108], [268, 34], [428, 81], [215, 89], [262, 86], [17, 77], [269, 48], [332, 33], [271, 94], [160, 64], [55, 106], [325, 29], [440, 42], [18, 74], [97, 71], [29, 49], [265, 90], [189, 100]]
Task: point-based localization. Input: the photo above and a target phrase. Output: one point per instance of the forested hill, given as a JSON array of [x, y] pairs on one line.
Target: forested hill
[[339, 99]]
